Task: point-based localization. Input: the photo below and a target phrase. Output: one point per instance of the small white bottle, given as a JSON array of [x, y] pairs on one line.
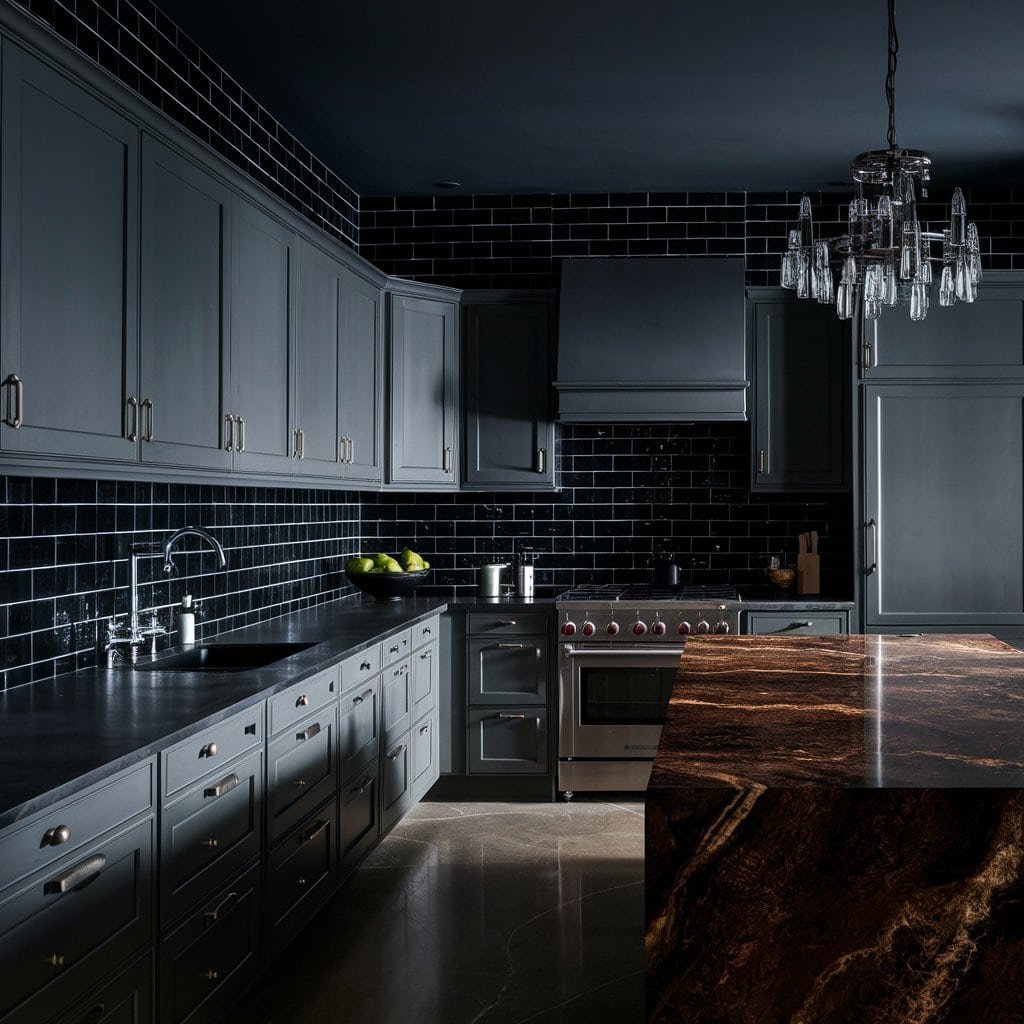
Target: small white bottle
[[187, 621]]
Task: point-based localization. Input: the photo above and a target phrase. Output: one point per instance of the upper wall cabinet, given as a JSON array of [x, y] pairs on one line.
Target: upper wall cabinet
[[977, 340], [507, 364], [423, 410], [362, 379], [259, 424], [801, 394], [317, 335], [183, 313], [68, 243]]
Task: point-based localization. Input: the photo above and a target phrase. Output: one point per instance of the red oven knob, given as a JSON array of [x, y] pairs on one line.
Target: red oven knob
[[639, 628], [657, 628], [612, 629], [568, 628], [721, 626], [703, 626], [685, 627], [588, 628]]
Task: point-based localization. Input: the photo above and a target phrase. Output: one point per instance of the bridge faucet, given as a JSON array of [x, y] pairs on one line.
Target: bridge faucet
[[137, 633]]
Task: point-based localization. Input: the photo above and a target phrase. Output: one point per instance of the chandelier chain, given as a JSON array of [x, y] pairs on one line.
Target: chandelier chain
[[890, 78]]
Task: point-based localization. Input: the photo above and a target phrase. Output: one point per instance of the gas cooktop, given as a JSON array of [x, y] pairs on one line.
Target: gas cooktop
[[647, 592]]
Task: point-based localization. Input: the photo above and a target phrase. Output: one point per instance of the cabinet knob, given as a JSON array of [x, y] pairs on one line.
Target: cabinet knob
[[210, 750], [56, 836], [300, 882], [211, 975], [55, 960], [302, 701], [364, 666], [210, 844]]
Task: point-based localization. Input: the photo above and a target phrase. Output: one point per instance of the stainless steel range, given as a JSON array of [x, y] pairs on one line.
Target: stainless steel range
[[619, 654]]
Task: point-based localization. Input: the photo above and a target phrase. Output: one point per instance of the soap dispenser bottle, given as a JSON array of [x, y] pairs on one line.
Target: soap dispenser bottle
[[187, 621]]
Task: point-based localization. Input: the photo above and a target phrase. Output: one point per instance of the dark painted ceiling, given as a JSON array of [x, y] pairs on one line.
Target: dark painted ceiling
[[644, 95]]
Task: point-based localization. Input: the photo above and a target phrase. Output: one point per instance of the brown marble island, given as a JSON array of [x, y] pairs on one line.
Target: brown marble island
[[835, 833]]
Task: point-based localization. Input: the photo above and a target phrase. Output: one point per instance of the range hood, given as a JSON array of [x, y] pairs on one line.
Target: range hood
[[651, 339]]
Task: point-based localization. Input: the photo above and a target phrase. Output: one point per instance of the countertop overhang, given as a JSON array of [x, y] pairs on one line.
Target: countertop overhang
[[936, 710]]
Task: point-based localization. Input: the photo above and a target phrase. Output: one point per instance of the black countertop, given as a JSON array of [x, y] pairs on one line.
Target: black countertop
[[60, 736]]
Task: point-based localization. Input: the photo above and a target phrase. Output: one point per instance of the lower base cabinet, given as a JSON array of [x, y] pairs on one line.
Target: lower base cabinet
[[360, 815], [214, 955], [426, 755], [128, 999], [808, 621], [396, 781], [511, 740]]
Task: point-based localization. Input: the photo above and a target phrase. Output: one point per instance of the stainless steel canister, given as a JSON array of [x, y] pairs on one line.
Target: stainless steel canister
[[489, 579]]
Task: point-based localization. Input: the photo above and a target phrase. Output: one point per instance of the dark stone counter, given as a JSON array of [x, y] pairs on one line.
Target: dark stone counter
[[58, 737], [835, 833]]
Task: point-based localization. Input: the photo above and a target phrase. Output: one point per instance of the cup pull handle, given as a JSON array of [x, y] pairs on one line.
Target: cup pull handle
[[226, 904], [228, 783], [81, 873], [308, 734]]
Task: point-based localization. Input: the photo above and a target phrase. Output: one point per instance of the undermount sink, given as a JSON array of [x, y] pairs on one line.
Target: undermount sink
[[225, 657]]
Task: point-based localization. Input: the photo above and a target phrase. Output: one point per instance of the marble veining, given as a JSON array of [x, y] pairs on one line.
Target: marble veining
[[877, 711]]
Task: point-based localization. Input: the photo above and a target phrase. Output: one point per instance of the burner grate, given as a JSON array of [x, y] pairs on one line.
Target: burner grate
[[646, 592]]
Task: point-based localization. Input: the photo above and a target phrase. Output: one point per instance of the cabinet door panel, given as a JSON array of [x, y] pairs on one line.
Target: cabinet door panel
[[360, 815], [70, 254], [260, 340], [508, 741], [423, 391], [944, 492], [806, 622], [507, 395], [801, 434], [317, 335], [507, 671], [184, 357], [361, 378]]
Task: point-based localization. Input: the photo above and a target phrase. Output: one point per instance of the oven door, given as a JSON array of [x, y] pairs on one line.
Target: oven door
[[612, 702]]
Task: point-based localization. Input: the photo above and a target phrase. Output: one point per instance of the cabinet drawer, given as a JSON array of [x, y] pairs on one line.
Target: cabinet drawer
[[302, 770], [209, 833], [302, 875], [67, 826], [424, 740], [395, 782], [128, 999], [396, 700], [507, 624], [425, 632], [77, 920], [301, 700], [809, 623], [360, 667], [507, 671], [213, 955], [423, 679], [359, 727], [508, 741], [396, 647], [207, 751], [360, 815]]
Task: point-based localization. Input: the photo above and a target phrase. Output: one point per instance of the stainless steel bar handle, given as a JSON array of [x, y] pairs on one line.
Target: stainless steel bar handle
[[229, 433], [446, 460], [309, 733], [314, 830], [302, 443], [15, 419], [295, 442], [241, 433], [394, 753], [541, 459], [351, 451], [507, 647], [580, 652], [873, 527], [226, 904], [86, 871], [228, 783], [341, 450], [509, 714], [762, 461], [132, 432], [147, 405]]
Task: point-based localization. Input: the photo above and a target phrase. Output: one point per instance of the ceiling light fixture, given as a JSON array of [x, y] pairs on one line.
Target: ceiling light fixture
[[885, 251]]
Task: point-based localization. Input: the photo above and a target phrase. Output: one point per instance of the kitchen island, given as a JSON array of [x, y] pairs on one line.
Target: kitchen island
[[835, 833]]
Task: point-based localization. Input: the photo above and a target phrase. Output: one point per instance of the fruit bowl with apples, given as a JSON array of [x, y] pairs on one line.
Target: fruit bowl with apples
[[386, 577]]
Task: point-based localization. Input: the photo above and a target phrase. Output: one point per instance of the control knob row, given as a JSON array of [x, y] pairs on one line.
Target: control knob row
[[640, 628]]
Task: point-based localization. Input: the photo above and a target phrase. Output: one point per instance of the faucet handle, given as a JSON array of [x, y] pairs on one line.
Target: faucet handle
[[117, 628], [197, 608]]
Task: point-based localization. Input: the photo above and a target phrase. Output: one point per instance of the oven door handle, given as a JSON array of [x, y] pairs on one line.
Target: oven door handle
[[588, 652]]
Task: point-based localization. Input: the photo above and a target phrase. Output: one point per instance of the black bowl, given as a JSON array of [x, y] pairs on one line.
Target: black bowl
[[387, 586]]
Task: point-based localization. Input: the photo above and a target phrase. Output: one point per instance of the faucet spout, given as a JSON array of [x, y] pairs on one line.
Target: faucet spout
[[191, 531]]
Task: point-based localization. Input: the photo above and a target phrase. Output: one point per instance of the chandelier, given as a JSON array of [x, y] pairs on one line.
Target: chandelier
[[885, 251]]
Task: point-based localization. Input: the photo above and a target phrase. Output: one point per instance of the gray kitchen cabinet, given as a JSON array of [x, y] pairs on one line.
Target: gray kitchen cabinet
[[943, 506], [808, 621], [127, 999], [362, 380], [423, 407], [316, 442], [509, 430], [800, 435], [424, 739], [508, 740], [360, 826], [395, 781], [77, 897], [259, 428], [509, 670], [183, 354], [360, 724], [69, 290], [983, 339]]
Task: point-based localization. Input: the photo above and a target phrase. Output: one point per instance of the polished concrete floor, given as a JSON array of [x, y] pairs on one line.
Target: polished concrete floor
[[477, 913]]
